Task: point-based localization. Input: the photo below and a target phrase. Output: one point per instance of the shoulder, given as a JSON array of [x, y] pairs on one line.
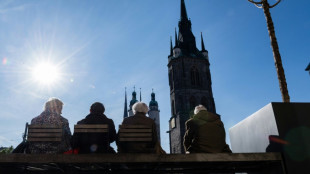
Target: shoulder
[[63, 119]]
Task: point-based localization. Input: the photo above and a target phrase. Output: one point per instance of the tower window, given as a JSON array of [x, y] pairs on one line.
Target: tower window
[[192, 103], [195, 80], [172, 107]]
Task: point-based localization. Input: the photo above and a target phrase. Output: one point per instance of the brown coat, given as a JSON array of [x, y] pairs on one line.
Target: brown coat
[[205, 133], [137, 147]]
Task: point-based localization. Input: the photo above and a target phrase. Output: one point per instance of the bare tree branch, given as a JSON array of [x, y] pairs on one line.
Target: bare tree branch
[[275, 4], [255, 2]]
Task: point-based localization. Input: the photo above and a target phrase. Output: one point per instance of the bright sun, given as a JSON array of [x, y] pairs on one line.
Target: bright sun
[[45, 73]]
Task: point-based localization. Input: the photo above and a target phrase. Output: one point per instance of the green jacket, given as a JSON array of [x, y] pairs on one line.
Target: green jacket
[[205, 133]]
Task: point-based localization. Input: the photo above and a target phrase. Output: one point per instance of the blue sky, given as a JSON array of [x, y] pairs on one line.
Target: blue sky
[[103, 46]]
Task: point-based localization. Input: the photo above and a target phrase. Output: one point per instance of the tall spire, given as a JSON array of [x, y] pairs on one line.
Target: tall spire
[[202, 44], [183, 11], [175, 37], [140, 95], [125, 107], [171, 48]]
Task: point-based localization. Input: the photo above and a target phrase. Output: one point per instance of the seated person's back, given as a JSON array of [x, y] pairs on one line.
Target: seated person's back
[[51, 116], [205, 133], [140, 109], [95, 142]]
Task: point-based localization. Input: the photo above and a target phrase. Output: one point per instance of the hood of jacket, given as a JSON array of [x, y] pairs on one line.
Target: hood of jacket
[[206, 116]]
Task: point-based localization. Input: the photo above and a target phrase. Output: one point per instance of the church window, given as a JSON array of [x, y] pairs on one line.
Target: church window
[[172, 107], [171, 79], [195, 80], [172, 123]]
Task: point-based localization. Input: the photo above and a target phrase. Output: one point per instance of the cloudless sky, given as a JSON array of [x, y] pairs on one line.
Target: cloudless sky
[[103, 46]]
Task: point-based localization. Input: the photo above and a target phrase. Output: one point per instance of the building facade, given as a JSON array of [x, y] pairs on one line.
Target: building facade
[[189, 80]]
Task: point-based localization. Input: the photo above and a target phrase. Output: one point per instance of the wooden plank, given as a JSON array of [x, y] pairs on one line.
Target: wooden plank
[[91, 130], [148, 135], [44, 126], [126, 126], [30, 139], [135, 139], [141, 158], [135, 130], [44, 135], [44, 130], [102, 126]]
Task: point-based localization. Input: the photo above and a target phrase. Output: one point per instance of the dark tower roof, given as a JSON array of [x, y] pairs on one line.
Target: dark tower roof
[[202, 44], [134, 98], [153, 102], [140, 95], [183, 11], [186, 40], [175, 38], [171, 47], [125, 107], [308, 67]]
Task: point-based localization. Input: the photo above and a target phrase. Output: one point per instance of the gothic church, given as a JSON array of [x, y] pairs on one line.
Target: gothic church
[[189, 80]]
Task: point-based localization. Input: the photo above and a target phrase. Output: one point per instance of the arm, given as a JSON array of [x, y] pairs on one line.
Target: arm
[[112, 132], [189, 135]]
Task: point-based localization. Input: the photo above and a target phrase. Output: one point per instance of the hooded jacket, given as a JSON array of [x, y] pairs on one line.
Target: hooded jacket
[[96, 142], [205, 133]]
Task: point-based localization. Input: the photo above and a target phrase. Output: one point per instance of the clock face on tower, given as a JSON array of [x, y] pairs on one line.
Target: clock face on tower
[[176, 52]]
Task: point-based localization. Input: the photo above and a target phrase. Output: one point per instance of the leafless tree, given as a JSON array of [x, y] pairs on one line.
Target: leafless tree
[[274, 44]]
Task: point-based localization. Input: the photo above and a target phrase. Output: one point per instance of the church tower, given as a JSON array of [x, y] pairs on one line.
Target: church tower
[[154, 113], [132, 102], [189, 80]]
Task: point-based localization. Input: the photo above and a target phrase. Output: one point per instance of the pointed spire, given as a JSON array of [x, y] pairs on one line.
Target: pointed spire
[[125, 107], [175, 37], [171, 48], [183, 11], [202, 44], [140, 95]]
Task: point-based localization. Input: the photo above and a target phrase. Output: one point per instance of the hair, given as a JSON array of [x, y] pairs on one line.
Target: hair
[[140, 107], [97, 108], [52, 102], [199, 108]]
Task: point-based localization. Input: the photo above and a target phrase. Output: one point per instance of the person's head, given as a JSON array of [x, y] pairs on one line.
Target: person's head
[[199, 108], [53, 105], [140, 107], [97, 108]]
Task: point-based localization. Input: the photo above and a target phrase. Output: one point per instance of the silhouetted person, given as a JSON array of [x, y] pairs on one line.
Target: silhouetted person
[[139, 118], [95, 142], [205, 133], [51, 116]]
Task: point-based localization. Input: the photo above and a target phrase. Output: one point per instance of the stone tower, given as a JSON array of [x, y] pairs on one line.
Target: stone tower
[[154, 113], [189, 80]]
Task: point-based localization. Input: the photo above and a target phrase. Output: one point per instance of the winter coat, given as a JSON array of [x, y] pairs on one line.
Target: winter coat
[[95, 142], [140, 147], [205, 133]]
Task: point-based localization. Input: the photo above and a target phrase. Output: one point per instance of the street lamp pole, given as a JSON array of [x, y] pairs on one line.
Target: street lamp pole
[[275, 48]]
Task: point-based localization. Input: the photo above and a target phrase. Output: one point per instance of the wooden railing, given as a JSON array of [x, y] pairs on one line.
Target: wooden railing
[[141, 163]]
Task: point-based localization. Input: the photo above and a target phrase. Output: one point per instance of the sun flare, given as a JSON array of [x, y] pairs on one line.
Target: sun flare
[[45, 73]]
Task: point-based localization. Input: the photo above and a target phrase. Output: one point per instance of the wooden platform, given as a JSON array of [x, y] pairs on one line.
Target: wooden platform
[[142, 163]]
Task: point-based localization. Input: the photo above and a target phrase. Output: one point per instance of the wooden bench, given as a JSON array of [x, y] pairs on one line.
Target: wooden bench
[[44, 133], [135, 133], [91, 138], [91, 128], [144, 163]]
